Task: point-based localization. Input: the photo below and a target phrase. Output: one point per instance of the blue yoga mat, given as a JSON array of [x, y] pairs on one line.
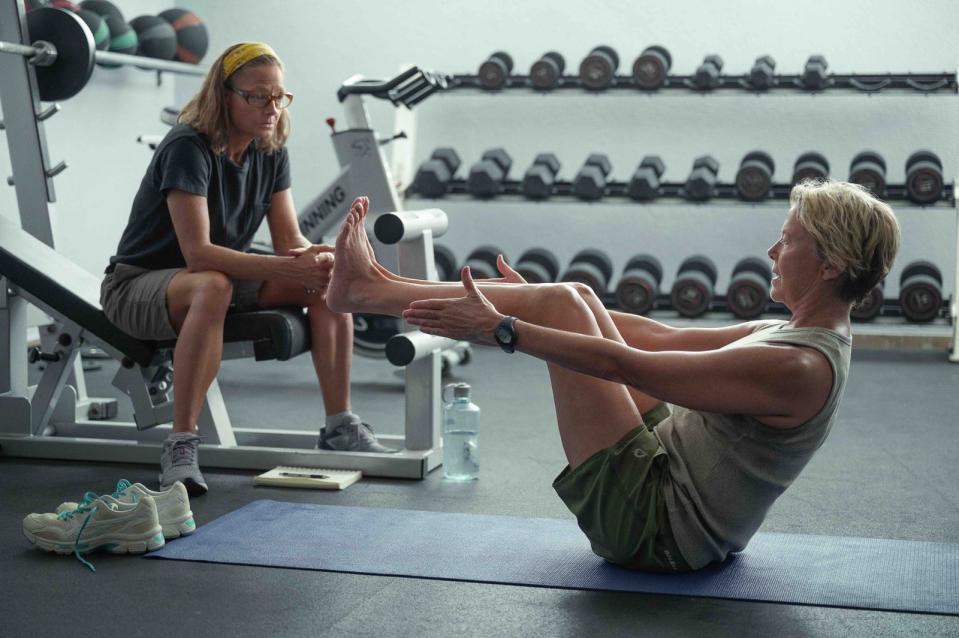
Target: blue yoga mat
[[787, 568]]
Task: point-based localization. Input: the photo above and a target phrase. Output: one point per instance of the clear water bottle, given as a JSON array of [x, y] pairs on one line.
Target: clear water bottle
[[460, 433]]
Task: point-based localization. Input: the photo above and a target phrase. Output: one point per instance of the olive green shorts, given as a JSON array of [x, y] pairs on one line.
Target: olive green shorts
[[617, 499]]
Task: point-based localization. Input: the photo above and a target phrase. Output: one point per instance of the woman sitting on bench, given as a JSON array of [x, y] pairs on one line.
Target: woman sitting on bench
[[181, 264], [655, 488]]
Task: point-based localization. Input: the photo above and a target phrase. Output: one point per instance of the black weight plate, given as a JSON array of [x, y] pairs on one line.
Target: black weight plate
[[870, 307], [923, 155], [920, 301], [868, 156], [647, 263], [924, 183], [636, 294], [371, 332], [699, 263], [73, 67], [544, 258], [921, 267], [598, 258], [747, 296], [754, 264]]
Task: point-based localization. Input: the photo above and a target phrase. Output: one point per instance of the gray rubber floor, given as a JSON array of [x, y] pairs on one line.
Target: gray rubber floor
[[888, 470]]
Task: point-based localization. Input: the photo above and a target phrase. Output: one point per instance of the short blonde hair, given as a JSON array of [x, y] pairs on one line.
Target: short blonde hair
[[852, 229], [207, 112]]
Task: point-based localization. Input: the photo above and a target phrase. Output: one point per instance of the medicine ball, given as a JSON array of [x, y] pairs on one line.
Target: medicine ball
[[155, 36], [191, 36], [103, 9], [98, 27], [64, 4], [123, 39]]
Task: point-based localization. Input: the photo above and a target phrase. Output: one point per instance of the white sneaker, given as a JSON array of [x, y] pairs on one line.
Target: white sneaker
[[173, 505], [97, 524]]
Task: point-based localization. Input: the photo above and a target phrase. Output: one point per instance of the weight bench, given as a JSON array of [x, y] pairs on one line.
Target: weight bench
[[55, 419]]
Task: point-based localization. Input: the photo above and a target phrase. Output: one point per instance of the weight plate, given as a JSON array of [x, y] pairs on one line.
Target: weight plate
[[73, 66]]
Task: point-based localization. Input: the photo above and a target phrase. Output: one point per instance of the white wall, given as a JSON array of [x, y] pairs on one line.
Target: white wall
[[322, 43]]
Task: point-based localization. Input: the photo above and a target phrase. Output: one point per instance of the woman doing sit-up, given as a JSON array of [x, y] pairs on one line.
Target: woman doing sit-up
[[678, 440]]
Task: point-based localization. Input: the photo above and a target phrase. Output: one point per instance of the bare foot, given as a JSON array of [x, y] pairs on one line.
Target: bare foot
[[363, 210], [355, 277]]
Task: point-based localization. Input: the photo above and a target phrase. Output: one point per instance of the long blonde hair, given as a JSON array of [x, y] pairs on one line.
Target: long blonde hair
[[852, 229], [207, 111]]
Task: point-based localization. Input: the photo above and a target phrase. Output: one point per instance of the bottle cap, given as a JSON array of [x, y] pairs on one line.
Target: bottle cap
[[460, 390]]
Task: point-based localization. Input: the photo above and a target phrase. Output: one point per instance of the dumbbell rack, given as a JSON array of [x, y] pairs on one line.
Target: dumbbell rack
[[878, 333], [614, 189], [860, 83]]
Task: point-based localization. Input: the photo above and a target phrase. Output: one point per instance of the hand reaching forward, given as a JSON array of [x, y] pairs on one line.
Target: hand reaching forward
[[510, 276], [471, 318]]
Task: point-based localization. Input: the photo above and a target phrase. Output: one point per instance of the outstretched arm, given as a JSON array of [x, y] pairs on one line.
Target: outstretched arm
[[785, 383]]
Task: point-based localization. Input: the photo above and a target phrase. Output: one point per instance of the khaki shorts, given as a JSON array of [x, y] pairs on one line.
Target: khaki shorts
[[617, 499], [134, 300]]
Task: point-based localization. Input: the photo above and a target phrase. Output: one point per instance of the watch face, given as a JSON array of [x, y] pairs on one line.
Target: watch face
[[504, 334]]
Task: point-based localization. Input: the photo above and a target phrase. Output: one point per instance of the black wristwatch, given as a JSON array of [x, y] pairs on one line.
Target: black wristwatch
[[505, 335]]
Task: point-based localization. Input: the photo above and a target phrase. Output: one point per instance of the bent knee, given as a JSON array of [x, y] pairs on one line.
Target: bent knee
[[566, 295], [585, 291], [213, 286]]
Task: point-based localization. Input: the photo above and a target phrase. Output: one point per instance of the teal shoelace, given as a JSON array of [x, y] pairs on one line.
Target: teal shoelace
[[122, 486], [88, 507]]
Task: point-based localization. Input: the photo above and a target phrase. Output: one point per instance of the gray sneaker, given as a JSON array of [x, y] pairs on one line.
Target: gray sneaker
[[178, 462], [352, 437]]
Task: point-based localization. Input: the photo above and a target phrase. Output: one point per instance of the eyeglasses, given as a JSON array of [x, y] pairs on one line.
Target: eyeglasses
[[259, 100]]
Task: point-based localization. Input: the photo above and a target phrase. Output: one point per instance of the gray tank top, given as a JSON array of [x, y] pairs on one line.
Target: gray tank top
[[726, 470]]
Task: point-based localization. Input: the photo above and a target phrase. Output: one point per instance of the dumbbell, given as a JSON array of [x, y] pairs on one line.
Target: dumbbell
[[538, 266], [644, 184], [870, 307], [591, 267], [651, 67], [590, 181], [495, 70], [812, 166], [486, 176], [920, 291], [707, 74], [597, 69], [755, 176], [869, 169], [638, 288], [924, 177], [748, 290], [692, 291], [763, 74], [701, 183], [814, 74], [433, 176], [539, 179], [482, 262], [547, 71], [445, 263]]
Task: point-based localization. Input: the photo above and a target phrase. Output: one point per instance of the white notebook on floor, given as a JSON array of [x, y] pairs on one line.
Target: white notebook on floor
[[312, 477]]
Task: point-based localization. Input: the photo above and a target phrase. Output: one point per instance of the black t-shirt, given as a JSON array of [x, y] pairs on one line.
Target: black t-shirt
[[238, 197]]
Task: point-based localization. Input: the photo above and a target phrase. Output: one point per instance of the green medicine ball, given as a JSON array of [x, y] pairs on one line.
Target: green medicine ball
[[98, 27]]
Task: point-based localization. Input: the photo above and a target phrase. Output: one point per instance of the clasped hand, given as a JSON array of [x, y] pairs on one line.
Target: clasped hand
[[312, 266], [471, 318]]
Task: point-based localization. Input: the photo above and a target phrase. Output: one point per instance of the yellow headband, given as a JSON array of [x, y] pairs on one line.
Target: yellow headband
[[243, 54]]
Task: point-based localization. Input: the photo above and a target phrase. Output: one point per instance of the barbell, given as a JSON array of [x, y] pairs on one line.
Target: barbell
[[63, 54]]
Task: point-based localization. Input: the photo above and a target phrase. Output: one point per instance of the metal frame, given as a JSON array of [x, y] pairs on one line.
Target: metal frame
[[51, 419]]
